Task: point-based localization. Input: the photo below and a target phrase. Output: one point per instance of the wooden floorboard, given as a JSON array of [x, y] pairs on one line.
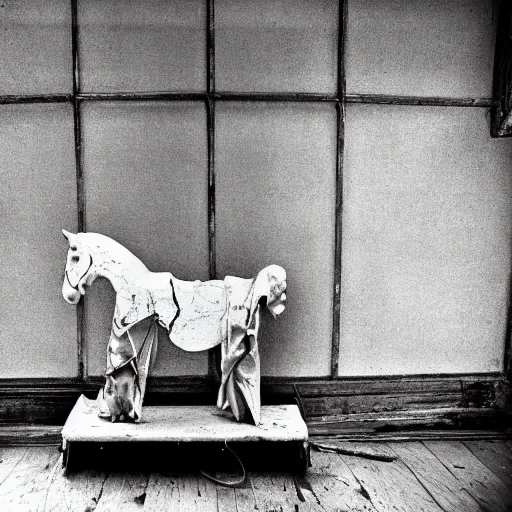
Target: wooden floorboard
[[448, 492], [226, 499], [10, 458], [390, 486], [123, 492], [425, 476], [494, 455], [273, 491], [77, 492], [483, 485], [331, 483], [180, 493], [26, 486]]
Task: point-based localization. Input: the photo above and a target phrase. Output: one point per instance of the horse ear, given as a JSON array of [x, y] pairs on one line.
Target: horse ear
[[69, 237]]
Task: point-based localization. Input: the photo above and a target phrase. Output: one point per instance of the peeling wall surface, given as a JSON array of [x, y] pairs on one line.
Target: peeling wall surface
[[154, 205], [283, 217], [219, 182], [426, 241], [418, 48], [37, 196]]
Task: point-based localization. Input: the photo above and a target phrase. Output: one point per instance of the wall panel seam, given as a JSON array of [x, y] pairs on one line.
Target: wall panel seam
[[79, 175]]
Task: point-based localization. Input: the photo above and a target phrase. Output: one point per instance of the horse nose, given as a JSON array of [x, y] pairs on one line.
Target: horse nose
[[73, 298], [70, 295]]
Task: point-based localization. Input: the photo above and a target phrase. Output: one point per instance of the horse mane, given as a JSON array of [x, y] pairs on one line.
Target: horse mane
[[104, 247]]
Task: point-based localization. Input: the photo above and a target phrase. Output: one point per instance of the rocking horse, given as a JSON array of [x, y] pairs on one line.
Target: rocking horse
[[197, 316]]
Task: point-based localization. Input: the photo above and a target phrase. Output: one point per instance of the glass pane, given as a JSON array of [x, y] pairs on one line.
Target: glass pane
[[35, 47], [272, 46], [275, 170], [146, 179], [426, 241], [155, 45], [412, 47], [37, 199]]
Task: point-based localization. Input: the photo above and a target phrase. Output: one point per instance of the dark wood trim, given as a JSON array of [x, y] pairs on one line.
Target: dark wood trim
[[250, 96], [75, 49], [383, 99], [274, 96], [205, 96], [508, 336], [11, 99], [210, 46], [338, 209], [504, 396], [501, 124], [330, 399], [348, 408], [402, 425], [142, 96], [80, 192], [214, 353], [50, 435]]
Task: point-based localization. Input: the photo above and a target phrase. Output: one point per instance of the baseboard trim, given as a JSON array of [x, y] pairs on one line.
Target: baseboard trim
[[31, 410]]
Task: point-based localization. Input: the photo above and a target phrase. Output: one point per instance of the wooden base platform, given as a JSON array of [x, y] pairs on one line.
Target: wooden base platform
[[185, 437]]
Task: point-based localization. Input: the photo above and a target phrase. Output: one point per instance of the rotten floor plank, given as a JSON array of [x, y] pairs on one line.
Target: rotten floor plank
[[26, 486], [10, 457], [441, 476], [74, 492], [331, 483], [244, 497], [274, 491], [483, 485], [180, 492], [494, 455], [226, 499], [281, 492], [445, 489], [123, 491], [390, 486]]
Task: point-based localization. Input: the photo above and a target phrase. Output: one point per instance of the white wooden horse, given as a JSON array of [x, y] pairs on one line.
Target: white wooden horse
[[197, 315]]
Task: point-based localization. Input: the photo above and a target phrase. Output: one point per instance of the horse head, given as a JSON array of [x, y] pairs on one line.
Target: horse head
[[79, 269], [271, 283]]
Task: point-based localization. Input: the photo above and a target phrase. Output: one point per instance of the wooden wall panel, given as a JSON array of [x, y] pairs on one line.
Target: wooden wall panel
[[275, 168], [38, 335], [426, 241], [153, 45], [417, 48], [35, 47], [145, 170], [288, 46]]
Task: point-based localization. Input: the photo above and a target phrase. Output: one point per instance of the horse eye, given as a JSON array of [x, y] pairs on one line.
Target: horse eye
[[75, 258], [73, 247]]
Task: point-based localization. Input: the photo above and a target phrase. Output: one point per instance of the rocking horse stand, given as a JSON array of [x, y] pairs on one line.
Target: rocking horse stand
[[197, 315]]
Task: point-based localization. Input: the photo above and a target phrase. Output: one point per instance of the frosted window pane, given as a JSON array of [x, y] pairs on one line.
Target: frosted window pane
[[272, 46], [35, 47], [412, 47], [275, 170], [426, 241], [37, 199], [153, 45], [145, 167]]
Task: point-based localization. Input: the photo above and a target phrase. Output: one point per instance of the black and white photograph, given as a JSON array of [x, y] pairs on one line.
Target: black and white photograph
[[256, 255]]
